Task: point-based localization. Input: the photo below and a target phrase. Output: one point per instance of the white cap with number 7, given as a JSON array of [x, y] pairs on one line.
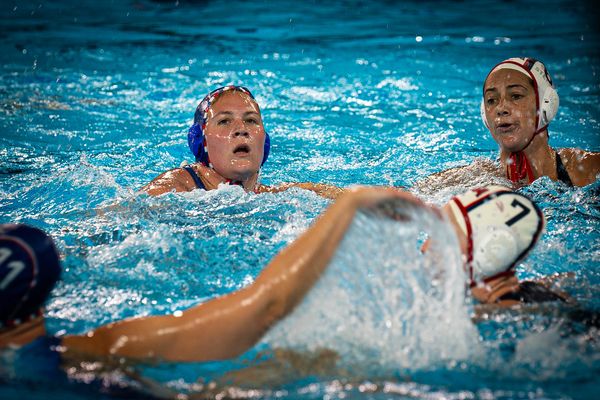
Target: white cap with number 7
[[501, 227]]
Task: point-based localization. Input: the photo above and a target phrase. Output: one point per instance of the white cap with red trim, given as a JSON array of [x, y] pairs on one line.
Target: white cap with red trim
[[546, 96], [501, 227]]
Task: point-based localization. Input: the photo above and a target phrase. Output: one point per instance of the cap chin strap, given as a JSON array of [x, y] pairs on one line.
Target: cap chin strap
[[519, 167], [465, 226]]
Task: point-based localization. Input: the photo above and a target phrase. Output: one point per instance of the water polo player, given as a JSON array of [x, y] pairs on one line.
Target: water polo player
[[230, 145], [519, 102]]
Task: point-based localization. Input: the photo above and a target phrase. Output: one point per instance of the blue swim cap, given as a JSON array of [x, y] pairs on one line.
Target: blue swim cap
[[196, 139], [29, 268]]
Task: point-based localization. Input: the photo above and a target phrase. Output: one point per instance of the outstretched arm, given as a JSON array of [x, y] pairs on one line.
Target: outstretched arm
[[322, 189], [227, 326], [480, 172]]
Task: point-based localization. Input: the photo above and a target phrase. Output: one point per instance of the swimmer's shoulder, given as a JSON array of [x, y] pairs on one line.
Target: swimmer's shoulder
[[174, 180], [583, 166]]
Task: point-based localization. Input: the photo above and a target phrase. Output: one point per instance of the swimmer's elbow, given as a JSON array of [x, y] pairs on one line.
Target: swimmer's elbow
[[276, 311]]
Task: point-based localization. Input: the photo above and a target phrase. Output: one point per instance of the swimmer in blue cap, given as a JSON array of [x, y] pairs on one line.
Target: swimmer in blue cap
[[496, 229], [29, 268], [519, 102], [230, 146]]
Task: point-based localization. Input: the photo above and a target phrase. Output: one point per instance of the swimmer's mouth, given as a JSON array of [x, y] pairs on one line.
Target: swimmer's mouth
[[242, 149], [505, 127]]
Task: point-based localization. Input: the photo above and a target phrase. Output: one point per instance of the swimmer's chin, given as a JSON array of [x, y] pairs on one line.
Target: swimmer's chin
[[509, 141], [244, 166], [241, 170]]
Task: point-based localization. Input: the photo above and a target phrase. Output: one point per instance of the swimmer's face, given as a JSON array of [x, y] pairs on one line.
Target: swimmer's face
[[235, 136], [510, 109]]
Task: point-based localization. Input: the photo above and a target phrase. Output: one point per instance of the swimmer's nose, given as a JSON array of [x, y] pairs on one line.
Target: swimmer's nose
[[239, 129], [241, 132], [501, 108]]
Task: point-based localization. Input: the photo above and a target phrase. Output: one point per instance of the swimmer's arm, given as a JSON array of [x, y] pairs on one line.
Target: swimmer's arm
[[229, 325], [440, 180], [322, 189], [457, 176]]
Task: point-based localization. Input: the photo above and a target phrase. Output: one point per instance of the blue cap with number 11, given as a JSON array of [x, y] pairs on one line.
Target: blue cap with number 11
[[29, 268]]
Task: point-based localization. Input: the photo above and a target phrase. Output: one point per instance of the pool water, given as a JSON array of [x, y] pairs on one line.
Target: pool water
[[96, 98]]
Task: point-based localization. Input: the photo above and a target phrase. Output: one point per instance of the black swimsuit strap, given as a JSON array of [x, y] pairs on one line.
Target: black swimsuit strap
[[561, 171], [532, 292], [195, 177]]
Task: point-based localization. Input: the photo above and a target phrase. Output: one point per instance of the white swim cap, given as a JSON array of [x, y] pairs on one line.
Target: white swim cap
[[501, 227], [545, 94]]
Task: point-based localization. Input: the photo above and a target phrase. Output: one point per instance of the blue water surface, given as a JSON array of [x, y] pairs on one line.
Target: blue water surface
[[95, 101]]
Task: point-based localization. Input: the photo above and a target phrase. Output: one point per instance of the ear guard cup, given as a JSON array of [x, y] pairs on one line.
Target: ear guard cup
[[196, 143], [266, 149], [548, 106], [496, 245], [482, 111]]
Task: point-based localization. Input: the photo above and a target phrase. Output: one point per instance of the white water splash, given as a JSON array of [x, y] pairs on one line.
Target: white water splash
[[382, 304]]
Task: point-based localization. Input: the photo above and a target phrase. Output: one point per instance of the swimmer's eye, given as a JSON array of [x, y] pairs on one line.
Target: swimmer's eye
[[491, 101], [252, 121], [517, 96], [223, 121]]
